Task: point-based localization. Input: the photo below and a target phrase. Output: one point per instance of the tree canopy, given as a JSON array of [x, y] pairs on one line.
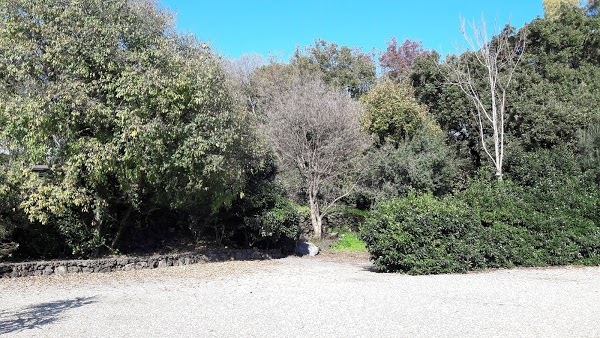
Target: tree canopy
[[137, 120], [342, 67]]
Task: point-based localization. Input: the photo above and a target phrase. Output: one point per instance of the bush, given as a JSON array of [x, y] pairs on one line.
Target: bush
[[421, 234], [489, 225], [281, 222]]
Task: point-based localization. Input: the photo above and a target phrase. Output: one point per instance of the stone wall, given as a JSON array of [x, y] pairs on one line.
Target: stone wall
[[44, 268]]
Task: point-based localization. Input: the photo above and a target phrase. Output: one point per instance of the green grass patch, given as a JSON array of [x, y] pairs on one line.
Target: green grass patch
[[349, 242]]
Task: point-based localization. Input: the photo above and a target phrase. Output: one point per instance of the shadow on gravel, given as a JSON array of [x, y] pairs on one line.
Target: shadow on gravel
[[38, 315]]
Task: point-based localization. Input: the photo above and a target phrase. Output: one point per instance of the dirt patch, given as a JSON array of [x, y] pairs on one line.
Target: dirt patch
[[344, 256]]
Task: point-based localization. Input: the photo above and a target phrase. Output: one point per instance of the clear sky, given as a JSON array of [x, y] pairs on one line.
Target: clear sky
[[276, 27]]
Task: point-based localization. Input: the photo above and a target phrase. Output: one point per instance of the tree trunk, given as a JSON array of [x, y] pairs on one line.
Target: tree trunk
[[122, 224], [315, 218]]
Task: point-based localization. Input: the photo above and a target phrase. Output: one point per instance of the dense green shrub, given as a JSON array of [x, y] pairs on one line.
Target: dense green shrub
[[489, 225], [263, 216], [280, 223], [422, 234], [589, 151], [531, 168]]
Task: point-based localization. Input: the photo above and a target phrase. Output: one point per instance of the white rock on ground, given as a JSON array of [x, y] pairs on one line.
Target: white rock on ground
[[306, 248]]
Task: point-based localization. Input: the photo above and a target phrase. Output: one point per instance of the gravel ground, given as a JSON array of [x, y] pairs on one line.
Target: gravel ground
[[293, 297]]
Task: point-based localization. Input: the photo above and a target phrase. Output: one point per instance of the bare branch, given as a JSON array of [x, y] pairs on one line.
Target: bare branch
[[315, 131], [495, 64]]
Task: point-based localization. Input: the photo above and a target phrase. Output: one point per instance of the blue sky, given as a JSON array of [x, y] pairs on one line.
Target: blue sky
[[275, 27]]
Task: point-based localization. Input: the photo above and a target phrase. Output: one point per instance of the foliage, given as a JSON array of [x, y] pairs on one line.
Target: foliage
[[449, 107], [275, 225], [240, 73], [392, 113], [10, 218], [593, 7], [552, 8], [589, 151], [554, 92], [263, 216], [341, 67], [397, 60], [489, 225], [423, 163], [145, 130], [531, 168], [421, 234], [484, 75], [138, 120], [558, 86]]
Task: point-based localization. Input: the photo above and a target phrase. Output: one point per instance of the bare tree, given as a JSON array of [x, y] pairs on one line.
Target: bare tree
[[485, 79], [240, 71], [316, 132]]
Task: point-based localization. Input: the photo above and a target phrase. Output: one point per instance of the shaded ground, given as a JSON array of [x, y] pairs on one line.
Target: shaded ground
[[323, 297]]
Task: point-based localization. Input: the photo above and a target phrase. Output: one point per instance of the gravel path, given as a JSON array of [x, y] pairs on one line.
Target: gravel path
[[295, 297]]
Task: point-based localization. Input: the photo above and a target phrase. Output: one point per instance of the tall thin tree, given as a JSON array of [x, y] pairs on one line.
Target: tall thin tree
[[484, 75]]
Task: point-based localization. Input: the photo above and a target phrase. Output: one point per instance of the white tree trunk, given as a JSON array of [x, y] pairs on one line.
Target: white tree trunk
[[499, 59], [315, 218]]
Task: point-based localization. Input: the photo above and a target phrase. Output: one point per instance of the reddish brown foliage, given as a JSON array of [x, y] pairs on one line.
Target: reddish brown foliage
[[397, 60]]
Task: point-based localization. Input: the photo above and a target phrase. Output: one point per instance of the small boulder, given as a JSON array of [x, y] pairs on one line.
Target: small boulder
[[48, 270], [306, 248]]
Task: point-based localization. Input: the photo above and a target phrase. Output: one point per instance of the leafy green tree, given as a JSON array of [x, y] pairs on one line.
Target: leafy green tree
[[554, 91], [341, 67], [393, 114], [411, 152], [557, 87], [130, 117], [552, 8], [448, 106]]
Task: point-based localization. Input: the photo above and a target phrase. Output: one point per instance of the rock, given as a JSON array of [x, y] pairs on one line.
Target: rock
[[306, 248], [6, 269], [60, 270], [48, 270]]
